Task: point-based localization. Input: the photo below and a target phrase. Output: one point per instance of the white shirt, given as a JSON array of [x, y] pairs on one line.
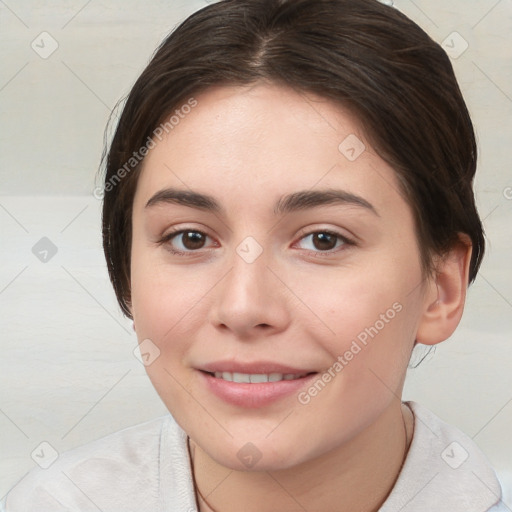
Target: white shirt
[[147, 468]]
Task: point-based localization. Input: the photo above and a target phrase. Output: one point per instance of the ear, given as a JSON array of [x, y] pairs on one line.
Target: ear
[[446, 294]]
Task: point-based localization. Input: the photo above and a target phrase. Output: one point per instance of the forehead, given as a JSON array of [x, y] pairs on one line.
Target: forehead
[[253, 144]]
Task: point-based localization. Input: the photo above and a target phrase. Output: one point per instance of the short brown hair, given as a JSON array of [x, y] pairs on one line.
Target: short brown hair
[[360, 54]]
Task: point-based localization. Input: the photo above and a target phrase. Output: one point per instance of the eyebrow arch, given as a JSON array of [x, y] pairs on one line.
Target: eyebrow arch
[[301, 200], [313, 198], [186, 198]]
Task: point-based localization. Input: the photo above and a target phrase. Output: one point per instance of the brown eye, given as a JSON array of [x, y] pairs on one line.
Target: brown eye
[[324, 241], [185, 241], [192, 240]]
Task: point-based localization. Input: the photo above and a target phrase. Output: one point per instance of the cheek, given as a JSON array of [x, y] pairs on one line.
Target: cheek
[[166, 309], [165, 303], [367, 316], [170, 303], [347, 301]]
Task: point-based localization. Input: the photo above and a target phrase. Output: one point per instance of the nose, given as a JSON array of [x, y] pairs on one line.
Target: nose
[[251, 301]]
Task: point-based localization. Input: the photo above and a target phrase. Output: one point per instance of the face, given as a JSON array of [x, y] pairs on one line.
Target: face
[[269, 276]]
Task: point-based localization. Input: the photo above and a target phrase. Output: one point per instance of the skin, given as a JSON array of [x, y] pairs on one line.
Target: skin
[[248, 146]]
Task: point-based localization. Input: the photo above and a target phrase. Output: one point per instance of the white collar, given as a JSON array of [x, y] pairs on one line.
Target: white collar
[[444, 470]]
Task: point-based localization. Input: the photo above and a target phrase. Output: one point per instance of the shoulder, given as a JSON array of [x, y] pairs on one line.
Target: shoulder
[[499, 507], [107, 474], [444, 470]]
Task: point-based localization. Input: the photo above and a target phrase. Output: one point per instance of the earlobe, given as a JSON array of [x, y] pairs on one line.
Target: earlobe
[[444, 302]]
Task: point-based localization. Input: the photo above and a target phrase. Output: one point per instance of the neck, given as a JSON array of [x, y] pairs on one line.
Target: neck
[[357, 476]]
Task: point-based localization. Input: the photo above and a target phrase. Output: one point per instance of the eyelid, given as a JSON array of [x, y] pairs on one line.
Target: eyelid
[[347, 241], [348, 238], [345, 234], [176, 231]]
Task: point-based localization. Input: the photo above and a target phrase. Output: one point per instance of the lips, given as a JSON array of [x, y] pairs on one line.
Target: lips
[[254, 368], [251, 396], [252, 385]]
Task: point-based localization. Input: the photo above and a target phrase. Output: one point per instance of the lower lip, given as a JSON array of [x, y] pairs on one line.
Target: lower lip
[[253, 395]]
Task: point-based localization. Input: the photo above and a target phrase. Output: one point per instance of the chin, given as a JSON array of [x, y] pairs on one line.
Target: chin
[[262, 455]]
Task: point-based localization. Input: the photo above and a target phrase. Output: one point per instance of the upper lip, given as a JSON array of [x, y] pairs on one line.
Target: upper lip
[[255, 367]]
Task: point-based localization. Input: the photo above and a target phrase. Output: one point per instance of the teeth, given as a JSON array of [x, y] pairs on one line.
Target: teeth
[[255, 378]]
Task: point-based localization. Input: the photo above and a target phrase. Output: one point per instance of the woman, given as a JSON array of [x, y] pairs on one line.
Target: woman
[[288, 210]]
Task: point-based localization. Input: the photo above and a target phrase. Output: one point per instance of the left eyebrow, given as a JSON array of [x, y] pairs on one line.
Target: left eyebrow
[[296, 201], [313, 198]]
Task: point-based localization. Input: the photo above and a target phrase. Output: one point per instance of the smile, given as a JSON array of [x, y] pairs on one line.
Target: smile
[[253, 390], [256, 378]]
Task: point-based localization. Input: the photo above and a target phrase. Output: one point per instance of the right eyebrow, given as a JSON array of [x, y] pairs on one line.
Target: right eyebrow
[[186, 198]]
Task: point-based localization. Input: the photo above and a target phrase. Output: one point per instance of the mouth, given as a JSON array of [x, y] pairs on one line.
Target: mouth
[[257, 378], [254, 390]]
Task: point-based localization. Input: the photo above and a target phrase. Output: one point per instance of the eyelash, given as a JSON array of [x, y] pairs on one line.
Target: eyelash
[[318, 254]]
